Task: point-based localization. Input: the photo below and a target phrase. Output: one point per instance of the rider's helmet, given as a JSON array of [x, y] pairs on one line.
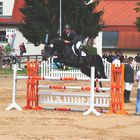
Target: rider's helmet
[[67, 26]]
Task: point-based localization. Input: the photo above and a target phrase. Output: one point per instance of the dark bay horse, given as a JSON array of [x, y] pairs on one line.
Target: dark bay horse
[[68, 56]]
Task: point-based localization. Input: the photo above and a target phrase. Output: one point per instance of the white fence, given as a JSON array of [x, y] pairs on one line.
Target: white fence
[[47, 69]]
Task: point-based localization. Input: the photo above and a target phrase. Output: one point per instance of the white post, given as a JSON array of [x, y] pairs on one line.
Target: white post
[[92, 109], [14, 104], [60, 18]]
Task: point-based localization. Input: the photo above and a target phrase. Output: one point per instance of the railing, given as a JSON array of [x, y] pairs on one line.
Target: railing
[[21, 60]]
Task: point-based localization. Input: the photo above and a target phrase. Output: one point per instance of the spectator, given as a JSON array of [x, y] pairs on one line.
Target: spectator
[[125, 59], [22, 48], [7, 49], [137, 59], [138, 93], [116, 61], [128, 79], [1, 49], [104, 56], [110, 57], [13, 56], [121, 57]]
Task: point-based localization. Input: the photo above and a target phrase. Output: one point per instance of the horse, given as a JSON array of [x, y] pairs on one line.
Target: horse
[[69, 56]]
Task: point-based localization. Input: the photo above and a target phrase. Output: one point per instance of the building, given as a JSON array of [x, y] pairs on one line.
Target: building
[[10, 17], [119, 32]]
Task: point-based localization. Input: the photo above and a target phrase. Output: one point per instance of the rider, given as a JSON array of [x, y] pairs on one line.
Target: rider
[[71, 38]]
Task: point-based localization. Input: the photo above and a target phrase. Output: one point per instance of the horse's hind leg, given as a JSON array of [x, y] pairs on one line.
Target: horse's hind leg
[[100, 66]]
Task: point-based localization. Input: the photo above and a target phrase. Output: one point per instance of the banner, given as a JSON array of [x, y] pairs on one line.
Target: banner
[[10, 35]]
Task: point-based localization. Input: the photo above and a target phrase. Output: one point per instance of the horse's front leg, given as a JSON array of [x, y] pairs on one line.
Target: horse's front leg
[[58, 63]]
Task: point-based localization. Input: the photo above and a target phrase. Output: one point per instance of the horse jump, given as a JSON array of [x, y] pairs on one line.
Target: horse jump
[[81, 98], [69, 99]]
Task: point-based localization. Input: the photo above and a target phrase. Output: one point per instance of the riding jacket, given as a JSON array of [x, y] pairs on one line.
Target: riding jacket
[[128, 73], [72, 37]]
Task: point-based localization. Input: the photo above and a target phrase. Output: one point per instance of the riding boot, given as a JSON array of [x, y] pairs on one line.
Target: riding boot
[[128, 96], [125, 96], [80, 59]]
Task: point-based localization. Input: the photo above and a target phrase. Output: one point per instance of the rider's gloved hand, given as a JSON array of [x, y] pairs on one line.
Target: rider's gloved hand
[[66, 41]]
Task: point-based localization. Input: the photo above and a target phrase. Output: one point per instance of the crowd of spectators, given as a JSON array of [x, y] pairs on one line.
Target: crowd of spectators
[[110, 57], [5, 51], [8, 53]]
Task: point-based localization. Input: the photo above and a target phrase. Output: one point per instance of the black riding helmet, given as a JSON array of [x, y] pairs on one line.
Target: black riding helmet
[[67, 26]]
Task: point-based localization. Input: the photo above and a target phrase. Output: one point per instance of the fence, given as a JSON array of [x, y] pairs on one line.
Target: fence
[[48, 69], [21, 60]]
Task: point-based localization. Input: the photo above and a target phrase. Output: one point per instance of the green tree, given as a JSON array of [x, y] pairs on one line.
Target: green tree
[[42, 16], [138, 18]]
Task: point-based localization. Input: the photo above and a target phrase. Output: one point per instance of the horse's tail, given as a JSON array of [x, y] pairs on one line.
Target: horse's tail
[[100, 67]]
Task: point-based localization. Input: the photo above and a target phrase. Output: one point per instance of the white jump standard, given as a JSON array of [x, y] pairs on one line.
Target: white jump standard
[[14, 104], [92, 95]]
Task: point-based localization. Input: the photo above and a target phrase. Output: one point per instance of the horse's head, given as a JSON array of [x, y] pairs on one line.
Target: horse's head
[[49, 50], [54, 47]]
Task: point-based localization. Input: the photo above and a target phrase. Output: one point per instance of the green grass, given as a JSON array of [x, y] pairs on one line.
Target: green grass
[[10, 72]]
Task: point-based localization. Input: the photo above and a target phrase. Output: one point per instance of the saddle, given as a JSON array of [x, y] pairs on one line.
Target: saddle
[[77, 48], [80, 52]]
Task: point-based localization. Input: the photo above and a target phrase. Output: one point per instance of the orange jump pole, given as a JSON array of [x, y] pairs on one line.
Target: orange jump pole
[[117, 90], [32, 86]]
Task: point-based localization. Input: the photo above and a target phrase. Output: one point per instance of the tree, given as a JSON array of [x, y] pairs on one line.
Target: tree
[[42, 16], [138, 18]]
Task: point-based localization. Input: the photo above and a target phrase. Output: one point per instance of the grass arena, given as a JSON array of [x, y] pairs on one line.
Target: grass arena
[[62, 125]]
